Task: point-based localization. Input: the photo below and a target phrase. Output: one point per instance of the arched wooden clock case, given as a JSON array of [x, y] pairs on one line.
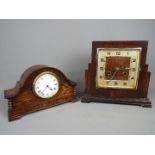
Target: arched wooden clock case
[[22, 99], [107, 93]]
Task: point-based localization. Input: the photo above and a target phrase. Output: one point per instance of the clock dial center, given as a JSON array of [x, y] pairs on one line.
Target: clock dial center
[[117, 66]]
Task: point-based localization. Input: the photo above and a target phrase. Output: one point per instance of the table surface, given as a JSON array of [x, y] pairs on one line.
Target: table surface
[[81, 118]]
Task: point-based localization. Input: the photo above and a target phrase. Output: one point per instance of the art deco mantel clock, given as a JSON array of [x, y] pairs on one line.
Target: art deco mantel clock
[[118, 73], [40, 87]]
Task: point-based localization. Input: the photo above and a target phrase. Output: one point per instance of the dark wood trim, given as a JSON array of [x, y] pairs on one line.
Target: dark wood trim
[[144, 102]]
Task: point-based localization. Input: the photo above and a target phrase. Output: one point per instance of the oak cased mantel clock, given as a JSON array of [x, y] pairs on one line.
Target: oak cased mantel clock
[[39, 87], [118, 73]]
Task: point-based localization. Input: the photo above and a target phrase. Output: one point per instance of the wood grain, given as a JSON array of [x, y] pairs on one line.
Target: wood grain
[[22, 100], [90, 74]]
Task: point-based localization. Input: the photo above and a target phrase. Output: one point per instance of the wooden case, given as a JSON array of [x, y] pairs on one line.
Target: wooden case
[[22, 100], [135, 97]]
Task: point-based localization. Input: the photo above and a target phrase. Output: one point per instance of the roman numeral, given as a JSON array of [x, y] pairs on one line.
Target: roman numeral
[[102, 60], [108, 53], [124, 83], [118, 53], [101, 68]]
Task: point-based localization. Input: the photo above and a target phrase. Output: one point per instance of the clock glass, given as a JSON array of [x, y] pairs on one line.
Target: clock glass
[[46, 85], [118, 68]]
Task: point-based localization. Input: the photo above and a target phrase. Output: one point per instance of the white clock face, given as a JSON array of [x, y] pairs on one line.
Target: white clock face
[[46, 85]]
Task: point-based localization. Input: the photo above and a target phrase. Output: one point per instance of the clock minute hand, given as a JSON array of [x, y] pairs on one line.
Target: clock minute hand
[[44, 89], [116, 70]]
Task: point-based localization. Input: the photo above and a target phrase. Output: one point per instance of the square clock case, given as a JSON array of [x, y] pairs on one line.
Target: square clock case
[[118, 73]]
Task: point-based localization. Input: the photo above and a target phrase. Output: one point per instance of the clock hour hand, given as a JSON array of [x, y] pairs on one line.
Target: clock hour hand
[[49, 87], [127, 68]]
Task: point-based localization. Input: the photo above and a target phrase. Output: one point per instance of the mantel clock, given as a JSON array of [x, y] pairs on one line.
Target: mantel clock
[[39, 87], [118, 73]]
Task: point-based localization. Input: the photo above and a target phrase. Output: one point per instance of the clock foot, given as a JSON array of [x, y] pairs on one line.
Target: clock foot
[[85, 99], [147, 105], [14, 117], [144, 102]]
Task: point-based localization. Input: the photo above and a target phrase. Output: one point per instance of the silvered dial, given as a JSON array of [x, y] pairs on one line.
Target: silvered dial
[[46, 85]]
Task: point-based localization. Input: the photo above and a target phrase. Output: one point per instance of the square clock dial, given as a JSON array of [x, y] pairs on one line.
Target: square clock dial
[[118, 68]]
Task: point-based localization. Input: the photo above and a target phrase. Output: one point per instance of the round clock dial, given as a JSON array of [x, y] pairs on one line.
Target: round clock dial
[[46, 85]]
